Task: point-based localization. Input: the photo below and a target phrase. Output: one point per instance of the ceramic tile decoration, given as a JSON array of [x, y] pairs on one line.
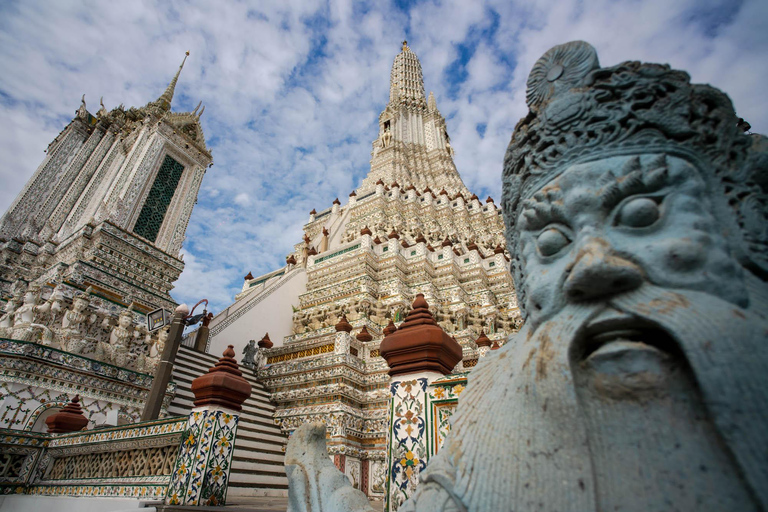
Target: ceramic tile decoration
[[201, 472], [127, 461], [442, 399], [407, 445]]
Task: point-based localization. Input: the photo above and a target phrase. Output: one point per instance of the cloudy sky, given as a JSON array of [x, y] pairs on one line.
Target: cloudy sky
[[293, 90]]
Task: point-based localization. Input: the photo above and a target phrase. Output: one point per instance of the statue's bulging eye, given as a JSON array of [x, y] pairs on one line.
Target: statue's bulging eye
[[551, 241], [639, 213]]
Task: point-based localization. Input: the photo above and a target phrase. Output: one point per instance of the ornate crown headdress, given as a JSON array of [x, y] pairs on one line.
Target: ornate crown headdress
[[580, 112]]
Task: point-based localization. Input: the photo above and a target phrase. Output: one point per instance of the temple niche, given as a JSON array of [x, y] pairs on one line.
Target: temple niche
[[636, 221]]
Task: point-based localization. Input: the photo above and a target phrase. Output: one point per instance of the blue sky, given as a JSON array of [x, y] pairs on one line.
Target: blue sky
[[293, 91]]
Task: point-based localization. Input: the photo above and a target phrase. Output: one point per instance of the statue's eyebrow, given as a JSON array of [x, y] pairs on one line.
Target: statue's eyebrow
[[635, 178], [544, 208]]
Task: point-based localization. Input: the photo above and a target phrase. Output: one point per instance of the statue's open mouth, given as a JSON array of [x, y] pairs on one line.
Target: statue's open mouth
[[613, 333]]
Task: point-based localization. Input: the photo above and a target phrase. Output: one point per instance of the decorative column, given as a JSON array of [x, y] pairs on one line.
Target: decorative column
[[201, 473], [417, 353], [69, 419], [201, 340], [165, 366]]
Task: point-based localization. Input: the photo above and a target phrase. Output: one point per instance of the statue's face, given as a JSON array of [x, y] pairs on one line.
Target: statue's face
[[125, 321], [29, 298], [643, 347], [162, 335], [80, 305], [605, 228]]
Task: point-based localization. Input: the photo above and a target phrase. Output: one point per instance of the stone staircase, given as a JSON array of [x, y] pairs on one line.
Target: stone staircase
[[257, 464]]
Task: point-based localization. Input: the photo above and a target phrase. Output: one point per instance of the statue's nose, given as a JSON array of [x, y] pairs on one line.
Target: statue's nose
[[598, 272]]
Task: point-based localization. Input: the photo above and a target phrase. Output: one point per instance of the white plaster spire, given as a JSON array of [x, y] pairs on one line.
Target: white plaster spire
[[412, 147], [406, 81], [165, 99]]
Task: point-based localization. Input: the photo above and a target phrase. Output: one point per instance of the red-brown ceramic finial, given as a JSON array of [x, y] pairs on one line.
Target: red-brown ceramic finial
[[69, 419], [223, 385], [364, 335], [291, 260], [447, 242], [336, 201], [312, 251], [489, 200], [248, 277], [390, 328], [420, 344], [495, 345], [343, 325], [472, 246], [352, 194], [313, 212], [498, 250], [265, 342], [421, 239], [393, 234], [483, 340], [365, 231], [325, 232]]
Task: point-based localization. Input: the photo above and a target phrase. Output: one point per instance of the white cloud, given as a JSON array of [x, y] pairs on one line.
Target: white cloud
[[242, 199], [293, 91]]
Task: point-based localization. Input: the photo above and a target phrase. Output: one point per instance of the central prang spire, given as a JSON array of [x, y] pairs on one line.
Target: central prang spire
[[406, 82], [412, 148]]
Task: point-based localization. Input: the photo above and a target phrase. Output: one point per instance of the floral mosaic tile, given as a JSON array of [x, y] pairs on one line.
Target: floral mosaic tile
[[407, 448], [201, 473]]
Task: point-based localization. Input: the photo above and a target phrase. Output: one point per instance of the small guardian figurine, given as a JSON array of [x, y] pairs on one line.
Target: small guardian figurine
[[72, 333], [249, 353]]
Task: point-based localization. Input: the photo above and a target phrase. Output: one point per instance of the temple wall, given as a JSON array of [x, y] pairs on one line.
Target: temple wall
[[250, 318]]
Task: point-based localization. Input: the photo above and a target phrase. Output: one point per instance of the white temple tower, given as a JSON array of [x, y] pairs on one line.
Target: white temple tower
[[109, 205], [411, 227]]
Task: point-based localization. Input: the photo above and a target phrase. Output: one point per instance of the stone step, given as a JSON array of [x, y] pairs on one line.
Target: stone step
[[259, 427], [268, 457], [274, 481], [199, 355], [247, 444], [251, 434], [258, 467], [177, 410], [236, 493]]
